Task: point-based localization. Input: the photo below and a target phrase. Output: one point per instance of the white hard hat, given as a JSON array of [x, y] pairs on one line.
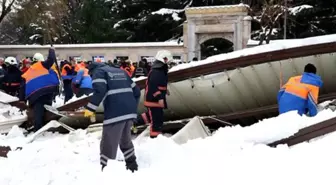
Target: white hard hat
[[162, 54], [38, 57], [11, 61]]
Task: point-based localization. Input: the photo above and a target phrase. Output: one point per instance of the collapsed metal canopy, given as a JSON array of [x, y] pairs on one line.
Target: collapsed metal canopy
[[185, 100]]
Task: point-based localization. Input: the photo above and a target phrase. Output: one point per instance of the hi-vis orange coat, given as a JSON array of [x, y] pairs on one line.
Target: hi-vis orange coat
[[300, 93]]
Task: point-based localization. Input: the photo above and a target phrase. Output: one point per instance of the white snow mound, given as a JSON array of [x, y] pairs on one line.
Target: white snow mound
[[232, 151]]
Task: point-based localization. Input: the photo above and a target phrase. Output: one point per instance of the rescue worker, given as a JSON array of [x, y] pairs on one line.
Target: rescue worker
[[120, 97], [82, 82], [127, 67], [40, 85], [301, 93], [25, 65], [67, 75], [155, 94], [12, 79]]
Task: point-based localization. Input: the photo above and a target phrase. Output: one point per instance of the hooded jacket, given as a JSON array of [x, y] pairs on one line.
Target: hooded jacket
[[120, 95], [300, 93]]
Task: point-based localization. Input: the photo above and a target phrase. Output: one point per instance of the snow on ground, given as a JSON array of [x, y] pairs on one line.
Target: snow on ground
[[258, 49], [224, 158], [10, 116]]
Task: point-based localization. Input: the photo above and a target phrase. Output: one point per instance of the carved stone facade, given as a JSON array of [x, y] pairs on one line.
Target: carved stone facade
[[204, 23]]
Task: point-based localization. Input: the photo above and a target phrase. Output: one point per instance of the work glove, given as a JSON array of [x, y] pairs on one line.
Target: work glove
[[134, 129], [88, 113], [91, 115]]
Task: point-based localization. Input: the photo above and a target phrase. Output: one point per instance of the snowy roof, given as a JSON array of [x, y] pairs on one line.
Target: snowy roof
[[240, 6], [275, 45], [101, 45]]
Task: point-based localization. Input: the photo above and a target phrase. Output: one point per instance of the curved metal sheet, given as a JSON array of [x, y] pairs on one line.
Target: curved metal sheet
[[241, 89]]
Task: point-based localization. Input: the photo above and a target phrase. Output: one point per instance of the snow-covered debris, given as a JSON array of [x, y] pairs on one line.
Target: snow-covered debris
[[59, 100], [10, 116], [6, 98], [8, 112], [297, 9], [15, 132], [52, 159]]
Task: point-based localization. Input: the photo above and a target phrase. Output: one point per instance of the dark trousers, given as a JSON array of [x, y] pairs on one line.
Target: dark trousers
[[39, 110], [12, 90], [114, 135], [84, 91], [153, 117], [68, 94]]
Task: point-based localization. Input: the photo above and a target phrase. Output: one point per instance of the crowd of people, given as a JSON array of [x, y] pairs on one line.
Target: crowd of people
[[38, 81]]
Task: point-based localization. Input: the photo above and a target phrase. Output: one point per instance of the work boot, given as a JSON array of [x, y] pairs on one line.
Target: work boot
[[133, 166]]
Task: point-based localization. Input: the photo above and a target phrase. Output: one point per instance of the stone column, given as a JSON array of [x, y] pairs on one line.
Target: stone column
[[235, 36], [247, 29], [192, 38], [240, 31]]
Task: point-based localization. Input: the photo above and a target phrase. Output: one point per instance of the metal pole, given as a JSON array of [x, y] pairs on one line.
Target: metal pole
[[285, 21]]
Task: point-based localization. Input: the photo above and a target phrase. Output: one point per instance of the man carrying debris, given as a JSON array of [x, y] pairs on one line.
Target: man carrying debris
[[40, 85], [300, 93], [156, 90], [120, 95]]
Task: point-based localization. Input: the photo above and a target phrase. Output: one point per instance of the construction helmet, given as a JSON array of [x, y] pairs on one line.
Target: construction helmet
[[11, 61], [164, 56], [38, 57]]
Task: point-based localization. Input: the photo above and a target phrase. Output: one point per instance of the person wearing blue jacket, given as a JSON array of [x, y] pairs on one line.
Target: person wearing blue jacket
[[301, 93], [39, 86], [120, 96], [82, 81]]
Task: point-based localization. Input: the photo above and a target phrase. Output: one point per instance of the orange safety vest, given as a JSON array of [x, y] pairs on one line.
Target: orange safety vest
[[65, 75], [294, 86], [127, 70], [38, 77]]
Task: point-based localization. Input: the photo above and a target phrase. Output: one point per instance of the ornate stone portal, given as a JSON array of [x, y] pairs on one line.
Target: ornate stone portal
[[204, 23]]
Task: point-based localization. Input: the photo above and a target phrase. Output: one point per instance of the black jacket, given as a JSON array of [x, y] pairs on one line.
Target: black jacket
[[156, 85]]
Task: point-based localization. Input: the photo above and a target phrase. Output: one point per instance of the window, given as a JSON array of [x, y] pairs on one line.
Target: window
[[177, 59], [101, 57], [76, 58], [122, 58], [149, 59]]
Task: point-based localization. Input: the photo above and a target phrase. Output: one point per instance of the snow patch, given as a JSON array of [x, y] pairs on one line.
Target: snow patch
[[297, 9], [52, 159], [59, 100], [6, 98], [173, 12]]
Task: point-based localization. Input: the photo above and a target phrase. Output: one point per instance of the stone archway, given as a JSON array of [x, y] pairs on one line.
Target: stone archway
[[230, 22], [215, 46]]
